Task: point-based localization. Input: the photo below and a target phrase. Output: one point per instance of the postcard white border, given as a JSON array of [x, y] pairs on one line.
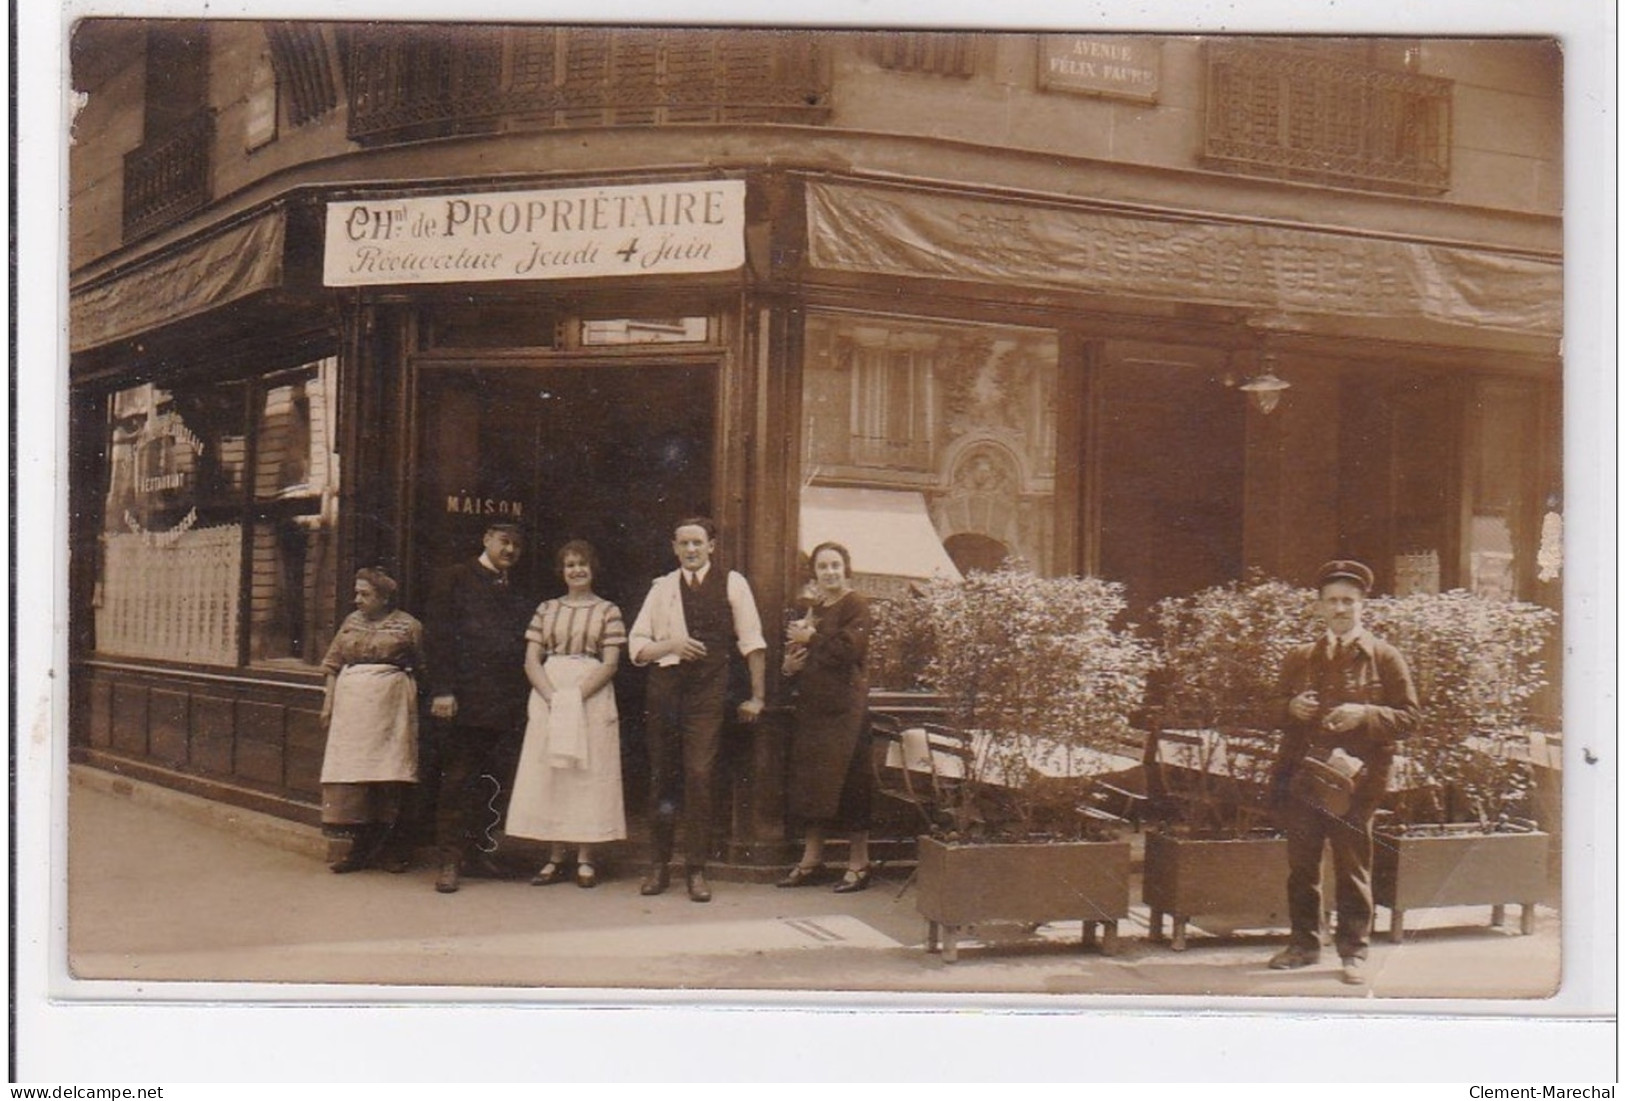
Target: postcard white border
[[230, 1040]]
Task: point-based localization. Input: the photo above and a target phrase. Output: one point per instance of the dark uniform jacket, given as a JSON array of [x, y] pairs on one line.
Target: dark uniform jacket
[[1369, 672], [476, 646]]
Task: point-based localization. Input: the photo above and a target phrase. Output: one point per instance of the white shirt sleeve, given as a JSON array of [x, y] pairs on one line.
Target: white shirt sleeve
[[642, 633], [747, 621]]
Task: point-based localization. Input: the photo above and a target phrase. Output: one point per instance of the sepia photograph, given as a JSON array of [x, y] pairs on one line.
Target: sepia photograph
[[614, 511]]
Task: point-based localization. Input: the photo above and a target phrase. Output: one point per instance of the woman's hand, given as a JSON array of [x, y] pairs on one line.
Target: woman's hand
[[795, 660], [800, 632]]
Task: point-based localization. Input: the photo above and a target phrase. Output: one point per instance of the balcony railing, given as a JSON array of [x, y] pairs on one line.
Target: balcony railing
[[1303, 115], [410, 83], [168, 178]]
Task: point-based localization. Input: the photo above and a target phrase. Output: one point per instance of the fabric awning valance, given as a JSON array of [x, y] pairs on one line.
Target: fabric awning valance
[[889, 532], [199, 277]]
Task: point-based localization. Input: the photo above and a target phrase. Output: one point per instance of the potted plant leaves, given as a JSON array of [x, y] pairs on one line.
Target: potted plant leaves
[[1038, 680], [1461, 832], [1213, 852]]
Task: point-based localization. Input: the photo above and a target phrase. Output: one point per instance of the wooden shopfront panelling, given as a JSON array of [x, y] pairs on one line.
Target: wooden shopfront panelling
[[211, 735], [254, 742]]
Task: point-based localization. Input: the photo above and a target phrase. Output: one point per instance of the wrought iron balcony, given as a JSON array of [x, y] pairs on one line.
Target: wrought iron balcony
[[167, 178], [410, 83], [1309, 115]]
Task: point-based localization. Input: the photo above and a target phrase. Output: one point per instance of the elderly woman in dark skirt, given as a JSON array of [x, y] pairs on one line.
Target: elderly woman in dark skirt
[[831, 780], [370, 711]]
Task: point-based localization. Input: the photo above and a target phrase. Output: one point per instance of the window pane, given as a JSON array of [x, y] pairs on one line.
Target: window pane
[[293, 563], [293, 597], [644, 330], [172, 533], [294, 451], [926, 445]]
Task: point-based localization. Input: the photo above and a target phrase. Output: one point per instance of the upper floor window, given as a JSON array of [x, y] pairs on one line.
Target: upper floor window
[[422, 82], [945, 53], [1345, 113], [166, 177]]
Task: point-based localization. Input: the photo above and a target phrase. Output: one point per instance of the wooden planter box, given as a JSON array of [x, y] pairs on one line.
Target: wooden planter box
[[1461, 867], [1190, 877], [961, 885]]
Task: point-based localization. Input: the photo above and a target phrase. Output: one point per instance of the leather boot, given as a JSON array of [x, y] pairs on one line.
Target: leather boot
[[363, 850]]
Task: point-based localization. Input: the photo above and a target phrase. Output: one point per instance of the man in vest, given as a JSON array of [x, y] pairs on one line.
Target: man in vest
[[1350, 691], [691, 620]]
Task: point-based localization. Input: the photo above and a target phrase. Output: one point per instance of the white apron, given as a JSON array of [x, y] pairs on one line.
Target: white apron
[[373, 736]]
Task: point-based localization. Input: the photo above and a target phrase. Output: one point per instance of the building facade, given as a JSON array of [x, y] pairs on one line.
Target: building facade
[[1166, 310]]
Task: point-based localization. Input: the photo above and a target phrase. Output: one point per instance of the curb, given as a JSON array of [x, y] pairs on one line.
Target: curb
[[267, 829]]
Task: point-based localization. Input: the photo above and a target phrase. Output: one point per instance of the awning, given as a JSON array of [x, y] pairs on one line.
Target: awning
[[200, 277], [889, 532]]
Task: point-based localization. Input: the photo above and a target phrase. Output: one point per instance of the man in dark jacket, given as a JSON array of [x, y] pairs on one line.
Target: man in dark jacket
[[476, 641], [1346, 691]]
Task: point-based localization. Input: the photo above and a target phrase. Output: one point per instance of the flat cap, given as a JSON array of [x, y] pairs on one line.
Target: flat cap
[[508, 526], [1343, 569]]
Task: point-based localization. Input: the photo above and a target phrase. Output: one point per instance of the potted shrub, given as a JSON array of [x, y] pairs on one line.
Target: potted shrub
[[1037, 681], [1461, 832], [1212, 851]]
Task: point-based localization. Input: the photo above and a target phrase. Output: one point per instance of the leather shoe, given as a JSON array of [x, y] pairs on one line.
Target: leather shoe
[[698, 889], [1292, 958], [447, 881], [856, 879], [801, 875], [552, 872], [656, 882], [1354, 971]]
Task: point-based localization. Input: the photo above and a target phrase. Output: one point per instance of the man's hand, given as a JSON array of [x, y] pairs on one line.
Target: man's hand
[[692, 649], [1304, 705], [443, 707], [751, 709], [1345, 717]]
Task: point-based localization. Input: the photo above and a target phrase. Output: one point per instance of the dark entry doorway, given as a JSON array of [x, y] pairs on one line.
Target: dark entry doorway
[[608, 453], [1169, 444]]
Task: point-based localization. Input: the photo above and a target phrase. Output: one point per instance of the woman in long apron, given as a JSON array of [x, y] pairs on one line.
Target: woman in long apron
[[567, 788], [370, 712]]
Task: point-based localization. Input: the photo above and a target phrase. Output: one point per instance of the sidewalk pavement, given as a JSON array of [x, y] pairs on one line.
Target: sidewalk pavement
[[164, 886]]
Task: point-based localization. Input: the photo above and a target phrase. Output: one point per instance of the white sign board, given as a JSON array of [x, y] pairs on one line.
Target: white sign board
[[647, 229]]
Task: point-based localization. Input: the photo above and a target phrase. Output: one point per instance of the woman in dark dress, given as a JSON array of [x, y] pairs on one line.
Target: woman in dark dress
[[831, 779]]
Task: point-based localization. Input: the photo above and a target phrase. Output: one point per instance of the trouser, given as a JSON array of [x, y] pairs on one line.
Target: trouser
[[683, 723], [476, 776], [1308, 831]]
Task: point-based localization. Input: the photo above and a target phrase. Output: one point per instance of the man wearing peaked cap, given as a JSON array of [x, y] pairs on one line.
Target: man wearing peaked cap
[[1347, 696], [476, 641], [1343, 569]]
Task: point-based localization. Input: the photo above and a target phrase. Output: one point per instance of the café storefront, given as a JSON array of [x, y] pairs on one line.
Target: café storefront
[[942, 377]]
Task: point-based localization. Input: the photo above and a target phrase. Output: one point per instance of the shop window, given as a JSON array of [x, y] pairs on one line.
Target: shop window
[[645, 330], [929, 449], [1509, 505], [191, 470]]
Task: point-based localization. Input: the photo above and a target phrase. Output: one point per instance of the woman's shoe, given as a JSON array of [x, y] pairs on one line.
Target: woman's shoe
[[856, 879], [586, 875], [550, 873], [801, 876]]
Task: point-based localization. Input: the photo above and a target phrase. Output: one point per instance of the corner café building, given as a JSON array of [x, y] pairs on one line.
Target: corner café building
[[941, 370]]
